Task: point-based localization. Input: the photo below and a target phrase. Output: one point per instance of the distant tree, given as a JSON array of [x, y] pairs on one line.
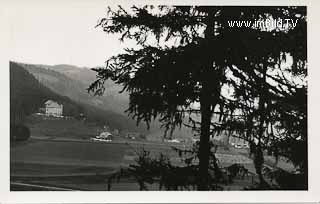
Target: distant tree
[[183, 56]]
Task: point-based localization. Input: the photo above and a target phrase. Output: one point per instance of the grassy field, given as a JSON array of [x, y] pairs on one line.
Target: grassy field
[[68, 153], [45, 157], [60, 153], [87, 164], [61, 128]]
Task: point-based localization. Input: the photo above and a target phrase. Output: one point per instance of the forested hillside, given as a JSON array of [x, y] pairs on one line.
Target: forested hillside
[[28, 94], [72, 81]]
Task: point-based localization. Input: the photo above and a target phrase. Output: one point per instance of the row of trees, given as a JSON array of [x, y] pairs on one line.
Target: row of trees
[[251, 78]]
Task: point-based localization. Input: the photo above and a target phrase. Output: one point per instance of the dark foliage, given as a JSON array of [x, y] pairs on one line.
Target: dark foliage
[[164, 79], [19, 132], [159, 170]]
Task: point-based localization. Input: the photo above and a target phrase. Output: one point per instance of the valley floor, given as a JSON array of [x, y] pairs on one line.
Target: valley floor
[[85, 165]]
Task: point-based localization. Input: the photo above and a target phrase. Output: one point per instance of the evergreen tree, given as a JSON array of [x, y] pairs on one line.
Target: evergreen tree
[[184, 55], [265, 84]]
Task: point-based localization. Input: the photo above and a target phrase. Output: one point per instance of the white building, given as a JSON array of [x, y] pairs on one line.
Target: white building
[[105, 135], [53, 108]]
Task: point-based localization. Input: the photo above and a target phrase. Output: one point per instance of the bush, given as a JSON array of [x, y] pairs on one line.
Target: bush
[[19, 133]]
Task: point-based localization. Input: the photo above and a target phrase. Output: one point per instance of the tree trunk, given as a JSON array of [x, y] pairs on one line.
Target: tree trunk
[[206, 102], [204, 149], [258, 157], [258, 164]]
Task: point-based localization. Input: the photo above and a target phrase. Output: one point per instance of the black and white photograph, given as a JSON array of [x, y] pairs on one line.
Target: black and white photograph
[[155, 96], [159, 97]]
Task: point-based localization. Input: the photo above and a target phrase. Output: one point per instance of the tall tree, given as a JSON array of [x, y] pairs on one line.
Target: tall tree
[[264, 81], [182, 57]]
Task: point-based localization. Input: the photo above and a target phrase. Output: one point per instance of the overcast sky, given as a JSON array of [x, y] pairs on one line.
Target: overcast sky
[[60, 33]]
